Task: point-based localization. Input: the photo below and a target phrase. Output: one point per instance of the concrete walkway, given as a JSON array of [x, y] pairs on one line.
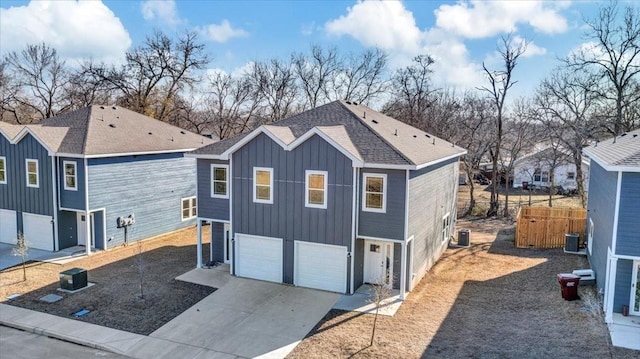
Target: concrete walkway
[[243, 319]]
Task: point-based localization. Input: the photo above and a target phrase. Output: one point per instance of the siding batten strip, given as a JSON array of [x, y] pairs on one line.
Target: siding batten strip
[[352, 250], [614, 235], [55, 190], [87, 219]]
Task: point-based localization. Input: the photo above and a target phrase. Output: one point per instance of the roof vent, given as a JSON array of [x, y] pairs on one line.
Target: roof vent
[[112, 125], [414, 136], [434, 141], [624, 134], [150, 133], [102, 107], [355, 103], [365, 115], [182, 132], [635, 135], [171, 138], [427, 135], [113, 107], [395, 133], [374, 121], [348, 103]]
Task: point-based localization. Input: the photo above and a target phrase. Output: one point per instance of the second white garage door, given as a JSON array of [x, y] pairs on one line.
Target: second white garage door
[[8, 226], [38, 231], [258, 257], [320, 266]]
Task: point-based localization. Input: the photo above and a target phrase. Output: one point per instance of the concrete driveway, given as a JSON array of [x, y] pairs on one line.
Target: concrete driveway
[[7, 259], [245, 318]]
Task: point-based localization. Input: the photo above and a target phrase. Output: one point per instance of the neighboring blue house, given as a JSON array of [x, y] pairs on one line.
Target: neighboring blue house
[[331, 198], [613, 221], [97, 163]]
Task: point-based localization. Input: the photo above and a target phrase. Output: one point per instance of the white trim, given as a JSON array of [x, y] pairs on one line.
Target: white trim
[[354, 222], [206, 219], [446, 227], [3, 159], [37, 173], [199, 244], [365, 176], [213, 180], [86, 201], [610, 287], [231, 237], [610, 168], [380, 239], [191, 206], [357, 162], [26, 130], [55, 203], [590, 230], [385, 166], [616, 213], [75, 175], [255, 185], [410, 242], [383, 244], [325, 188], [635, 280], [434, 162]]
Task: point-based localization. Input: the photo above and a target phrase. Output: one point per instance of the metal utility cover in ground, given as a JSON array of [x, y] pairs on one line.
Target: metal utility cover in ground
[[51, 298]]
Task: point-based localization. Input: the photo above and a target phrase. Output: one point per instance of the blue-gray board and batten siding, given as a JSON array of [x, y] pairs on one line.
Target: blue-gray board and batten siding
[[390, 224], [149, 186], [600, 210], [287, 217], [211, 208], [72, 199], [622, 293], [628, 235], [433, 192]]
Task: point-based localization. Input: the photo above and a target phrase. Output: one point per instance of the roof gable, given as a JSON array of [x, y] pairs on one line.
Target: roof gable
[[621, 153]]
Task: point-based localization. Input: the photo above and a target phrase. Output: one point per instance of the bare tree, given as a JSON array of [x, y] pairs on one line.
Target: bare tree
[[412, 94], [41, 76], [615, 57], [361, 78], [380, 291], [21, 249], [275, 88], [567, 97], [500, 81], [316, 72], [153, 74], [141, 267]]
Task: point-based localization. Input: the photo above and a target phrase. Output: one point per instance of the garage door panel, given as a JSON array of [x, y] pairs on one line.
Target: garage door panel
[[8, 226], [38, 231], [321, 266], [259, 258]]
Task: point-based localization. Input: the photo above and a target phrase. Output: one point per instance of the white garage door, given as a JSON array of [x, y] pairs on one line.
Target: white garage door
[[38, 231], [8, 226], [320, 266], [258, 257]]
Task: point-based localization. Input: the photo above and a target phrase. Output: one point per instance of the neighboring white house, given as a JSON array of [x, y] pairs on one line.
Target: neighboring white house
[[535, 169]]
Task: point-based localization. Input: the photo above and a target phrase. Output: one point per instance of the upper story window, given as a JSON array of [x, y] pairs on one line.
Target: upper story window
[[3, 170], [263, 185], [219, 181], [571, 175], [32, 173], [70, 175], [374, 198], [189, 208], [316, 189]]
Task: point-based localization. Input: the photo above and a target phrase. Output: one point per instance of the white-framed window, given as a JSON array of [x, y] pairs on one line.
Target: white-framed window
[[571, 175], [189, 208], [3, 170], [263, 185], [590, 236], [446, 226], [316, 189], [536, 175], [70, 175], [219, 181], [374, 197], [32, 173], [540, 176]]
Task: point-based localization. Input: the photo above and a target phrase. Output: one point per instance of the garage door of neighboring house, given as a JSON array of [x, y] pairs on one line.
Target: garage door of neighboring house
[[8, 226], [38, 231], [320, 266], [258, 257]]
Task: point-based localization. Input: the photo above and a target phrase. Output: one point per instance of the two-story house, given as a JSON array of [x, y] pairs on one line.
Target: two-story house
[[331, 198], [66, 181], [613, 228]]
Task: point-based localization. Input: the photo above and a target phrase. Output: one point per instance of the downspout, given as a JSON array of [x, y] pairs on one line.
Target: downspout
[[614, 237], [56, 200], [86, 209], [353, 228], [232, 243], [198, 225], [403, 259]]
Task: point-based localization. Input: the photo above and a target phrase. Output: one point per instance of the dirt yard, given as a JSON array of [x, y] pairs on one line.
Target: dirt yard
[[490, 300], [114, 300]]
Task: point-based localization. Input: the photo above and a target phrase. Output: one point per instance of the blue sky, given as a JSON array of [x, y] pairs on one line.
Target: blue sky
[[460, 35]]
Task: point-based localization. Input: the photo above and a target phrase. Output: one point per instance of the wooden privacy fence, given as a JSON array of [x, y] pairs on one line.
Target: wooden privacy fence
[[545, 227]]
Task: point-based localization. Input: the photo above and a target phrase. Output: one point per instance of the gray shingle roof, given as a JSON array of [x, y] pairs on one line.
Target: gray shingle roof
[[109, 130], [386, 141], [621, 151]]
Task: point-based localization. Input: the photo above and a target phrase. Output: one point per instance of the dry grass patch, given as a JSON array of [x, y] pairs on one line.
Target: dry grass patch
[[115, 300], [490, 300]]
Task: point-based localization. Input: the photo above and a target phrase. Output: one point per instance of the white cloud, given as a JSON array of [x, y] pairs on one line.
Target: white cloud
[[77, 30], [164, 11], [385, 24], [479, 19], [532, 49], [223, 32]]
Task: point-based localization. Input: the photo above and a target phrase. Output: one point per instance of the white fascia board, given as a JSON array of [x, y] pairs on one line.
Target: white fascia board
[[609, 167], [389, 166], [418, 167], [357, 162], [250, 137], [142, 153], [26, 131]]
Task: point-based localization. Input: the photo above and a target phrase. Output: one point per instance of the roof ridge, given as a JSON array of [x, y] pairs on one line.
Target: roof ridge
[[370, 128], [86, 130]]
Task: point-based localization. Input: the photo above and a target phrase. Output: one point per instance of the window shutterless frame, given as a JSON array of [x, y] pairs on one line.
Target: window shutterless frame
[[32, 174], [3, 170], [188, 208], [219, 181], [316, 189], [374, 192], [70, 175], [263, 185]]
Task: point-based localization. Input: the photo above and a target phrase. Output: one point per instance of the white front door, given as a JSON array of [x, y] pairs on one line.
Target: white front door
[[82, 229], [378, 262], [635, 289]]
